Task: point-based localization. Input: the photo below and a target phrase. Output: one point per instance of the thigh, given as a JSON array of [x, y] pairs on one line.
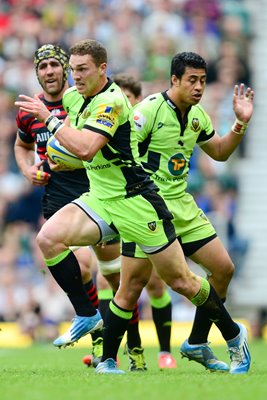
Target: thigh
[[70, 226], [213, 256], [108, 251], [215, 260], [173, 269]]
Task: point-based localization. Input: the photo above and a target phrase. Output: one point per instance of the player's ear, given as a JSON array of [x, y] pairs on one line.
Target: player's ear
[[174, 80], [103, 68]]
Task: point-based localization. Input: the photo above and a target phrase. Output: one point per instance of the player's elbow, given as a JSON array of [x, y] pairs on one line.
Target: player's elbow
[[86, 155]]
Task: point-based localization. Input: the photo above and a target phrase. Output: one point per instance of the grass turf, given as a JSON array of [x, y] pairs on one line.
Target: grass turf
[[42, 372]]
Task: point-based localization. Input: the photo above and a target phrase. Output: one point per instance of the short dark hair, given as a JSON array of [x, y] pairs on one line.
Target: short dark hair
[[186, 59], [128, 82], [91, 47]]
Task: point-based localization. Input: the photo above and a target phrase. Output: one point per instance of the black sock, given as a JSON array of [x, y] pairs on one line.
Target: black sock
[[162, 318], [103, 307], [91, 291], [67, 273], [115, 327], [214, 309], [201, 327], [133, 335], [104, 298]]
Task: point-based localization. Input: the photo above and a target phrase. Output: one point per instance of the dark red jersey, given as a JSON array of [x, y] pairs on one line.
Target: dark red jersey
[[65, 186]]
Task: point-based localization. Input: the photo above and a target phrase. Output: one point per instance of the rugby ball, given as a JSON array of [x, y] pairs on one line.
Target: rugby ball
[[59, 155]]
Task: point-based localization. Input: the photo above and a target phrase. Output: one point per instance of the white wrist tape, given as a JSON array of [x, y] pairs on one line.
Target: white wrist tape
[[239, 127], [54, 124]]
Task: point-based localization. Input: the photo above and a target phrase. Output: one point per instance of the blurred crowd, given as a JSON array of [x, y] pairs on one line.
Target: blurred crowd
[[141, 37]]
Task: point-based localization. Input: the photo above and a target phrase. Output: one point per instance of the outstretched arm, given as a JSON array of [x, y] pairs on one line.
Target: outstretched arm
[[221, 147]]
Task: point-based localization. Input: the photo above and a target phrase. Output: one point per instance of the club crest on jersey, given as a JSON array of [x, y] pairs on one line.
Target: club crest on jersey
[[195, 124], [86, 114], [152, 225]]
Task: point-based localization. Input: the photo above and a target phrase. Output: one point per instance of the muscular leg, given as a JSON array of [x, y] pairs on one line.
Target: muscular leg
[[108, 275], [171, 267], [64, 266], [215, 259], [87, 261], [108, 262], [134, 276], [105, 293]]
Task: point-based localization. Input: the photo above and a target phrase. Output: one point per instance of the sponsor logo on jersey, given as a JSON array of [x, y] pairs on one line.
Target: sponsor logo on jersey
[[96, 167], [56, 111], [108, 109], [139, 120], [176, 164], [152, 225], [104, 122]]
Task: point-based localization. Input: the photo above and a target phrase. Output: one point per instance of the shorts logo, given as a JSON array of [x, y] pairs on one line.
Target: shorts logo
[[152, 226]]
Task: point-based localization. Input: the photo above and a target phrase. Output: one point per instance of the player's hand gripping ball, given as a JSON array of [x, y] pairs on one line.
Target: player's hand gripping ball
[[59, 155]]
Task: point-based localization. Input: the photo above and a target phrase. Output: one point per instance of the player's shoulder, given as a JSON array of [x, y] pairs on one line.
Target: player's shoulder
[[70, 92], [71, 96], [112, 99], [199, 109], [154, 98], [149, 103], [113, 91]]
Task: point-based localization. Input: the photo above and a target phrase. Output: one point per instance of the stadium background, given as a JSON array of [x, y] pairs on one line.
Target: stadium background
[[141, 38]]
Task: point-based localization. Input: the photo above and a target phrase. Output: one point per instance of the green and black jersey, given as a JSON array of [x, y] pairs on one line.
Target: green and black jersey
[[166, 141], [115, 171]]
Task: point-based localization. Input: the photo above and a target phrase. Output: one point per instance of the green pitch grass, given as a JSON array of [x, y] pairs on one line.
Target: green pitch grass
[[44, 373]]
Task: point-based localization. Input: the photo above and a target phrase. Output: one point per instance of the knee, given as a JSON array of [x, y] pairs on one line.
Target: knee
[[181, 284], [155, 288], [43, 239], [222, 277], [225, 273], [128, 295], [47, 242]]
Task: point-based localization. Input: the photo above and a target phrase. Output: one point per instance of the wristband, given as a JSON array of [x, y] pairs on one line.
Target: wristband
[[239, 127], [53, 124]]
